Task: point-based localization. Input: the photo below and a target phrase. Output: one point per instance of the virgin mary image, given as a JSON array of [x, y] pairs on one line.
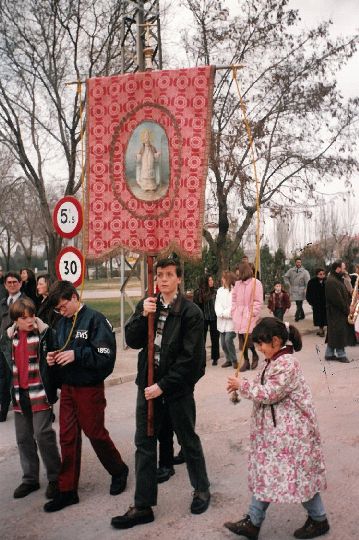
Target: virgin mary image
[[147, 163]]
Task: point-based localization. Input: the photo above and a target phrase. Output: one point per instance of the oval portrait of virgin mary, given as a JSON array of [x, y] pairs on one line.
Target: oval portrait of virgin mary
[[147, 162]]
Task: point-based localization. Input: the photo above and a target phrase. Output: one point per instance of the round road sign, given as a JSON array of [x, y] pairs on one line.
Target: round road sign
[[70, 265], [68, 217]]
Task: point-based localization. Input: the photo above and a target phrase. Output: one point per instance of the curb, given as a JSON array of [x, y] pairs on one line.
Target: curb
[[120, 379]]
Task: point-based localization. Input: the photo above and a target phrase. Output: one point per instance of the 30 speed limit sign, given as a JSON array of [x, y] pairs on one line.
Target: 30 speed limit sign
[[70, 265], [67, 217]]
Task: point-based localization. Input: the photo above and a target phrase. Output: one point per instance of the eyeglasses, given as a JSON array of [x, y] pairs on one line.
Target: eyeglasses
[[61, 307], [11, 282]]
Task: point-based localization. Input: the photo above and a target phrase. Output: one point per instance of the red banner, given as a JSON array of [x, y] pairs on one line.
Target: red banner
[[148, 136]]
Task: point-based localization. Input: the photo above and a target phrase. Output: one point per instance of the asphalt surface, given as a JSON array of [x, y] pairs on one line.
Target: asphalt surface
[[224, 430]]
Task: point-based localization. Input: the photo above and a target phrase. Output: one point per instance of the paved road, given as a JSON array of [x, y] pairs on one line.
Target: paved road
[[223, 428]]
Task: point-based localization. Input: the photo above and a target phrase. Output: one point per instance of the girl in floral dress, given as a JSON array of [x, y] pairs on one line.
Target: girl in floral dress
[[285, 460]]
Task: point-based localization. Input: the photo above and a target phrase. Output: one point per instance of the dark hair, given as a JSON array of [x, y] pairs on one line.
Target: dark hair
[[244, 271], [317, 270], [269, 327], [12, 274], [279, 283], [297, 259], [163, 263], [30, 274], [62, 290], [20, 306], [49, 280], [230, 278], [335, 265], [205, 291]]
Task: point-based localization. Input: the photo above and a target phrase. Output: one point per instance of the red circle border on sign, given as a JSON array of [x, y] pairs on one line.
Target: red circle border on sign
[[70, 249], [79, 225]]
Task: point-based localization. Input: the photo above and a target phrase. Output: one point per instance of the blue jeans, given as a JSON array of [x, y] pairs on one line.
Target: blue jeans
[[314, 507], [329, 351], [228, 347]]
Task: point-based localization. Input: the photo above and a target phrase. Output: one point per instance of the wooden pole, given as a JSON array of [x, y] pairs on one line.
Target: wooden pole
[[150, 347]]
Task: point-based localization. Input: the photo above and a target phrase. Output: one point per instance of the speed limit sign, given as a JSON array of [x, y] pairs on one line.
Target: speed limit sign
[[67, 217], [70, 265]]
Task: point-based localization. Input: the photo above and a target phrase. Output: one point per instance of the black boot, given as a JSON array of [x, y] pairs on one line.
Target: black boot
[[134, 516], [312, 529], [62, 499], [179, 459], [3, 414], [119, 481], [164, 474], [244, 527]]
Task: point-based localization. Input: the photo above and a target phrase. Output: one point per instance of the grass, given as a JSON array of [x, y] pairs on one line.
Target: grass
[[111, 283], [111, 308]]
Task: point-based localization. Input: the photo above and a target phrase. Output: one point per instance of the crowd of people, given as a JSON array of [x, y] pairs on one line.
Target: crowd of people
[[233, 309], [51, 341]]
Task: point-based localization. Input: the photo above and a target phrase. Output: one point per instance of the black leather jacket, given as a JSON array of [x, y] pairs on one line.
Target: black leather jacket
[[182, 358], [93, 341]]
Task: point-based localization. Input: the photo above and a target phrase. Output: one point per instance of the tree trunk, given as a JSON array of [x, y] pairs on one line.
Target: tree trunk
[[55, 243]]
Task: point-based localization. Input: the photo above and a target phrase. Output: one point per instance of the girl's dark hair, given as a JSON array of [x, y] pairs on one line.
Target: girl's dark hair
[[30, 273], [244, 271], [279, 283], [230, 278], [206, 292], [269, 327], [49, 280]]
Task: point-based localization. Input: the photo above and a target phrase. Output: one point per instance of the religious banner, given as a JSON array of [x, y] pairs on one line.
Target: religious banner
[[148, 137]]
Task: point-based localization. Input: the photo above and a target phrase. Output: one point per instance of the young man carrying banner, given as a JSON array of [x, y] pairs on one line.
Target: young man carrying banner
[[179, 363]]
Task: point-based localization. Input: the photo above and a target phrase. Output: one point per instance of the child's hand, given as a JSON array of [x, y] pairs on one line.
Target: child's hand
[[232, 384], [65, 357], [50, 358]]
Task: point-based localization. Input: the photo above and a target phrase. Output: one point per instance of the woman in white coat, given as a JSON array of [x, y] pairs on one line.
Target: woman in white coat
[[222, 308]]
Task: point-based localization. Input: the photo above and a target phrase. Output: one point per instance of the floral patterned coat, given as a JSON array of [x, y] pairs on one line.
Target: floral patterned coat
[[286, 463]]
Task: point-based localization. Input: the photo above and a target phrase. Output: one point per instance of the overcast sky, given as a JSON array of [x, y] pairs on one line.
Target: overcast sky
[[343, 13], [345, 17]]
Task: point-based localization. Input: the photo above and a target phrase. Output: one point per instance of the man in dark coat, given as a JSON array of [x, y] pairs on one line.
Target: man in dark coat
[[3, 291], [12, 284], [315, 296], [340, 333], [178, 364]]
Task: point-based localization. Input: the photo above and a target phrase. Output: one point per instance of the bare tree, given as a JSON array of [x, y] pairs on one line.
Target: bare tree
[[304, 131], [25, 223], [8, 183], [43, 45]]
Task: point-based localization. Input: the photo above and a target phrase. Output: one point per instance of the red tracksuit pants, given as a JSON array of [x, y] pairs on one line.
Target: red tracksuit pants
[[83, 408]]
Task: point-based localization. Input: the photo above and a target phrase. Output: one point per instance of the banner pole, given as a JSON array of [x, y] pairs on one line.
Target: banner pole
[[150, 346]]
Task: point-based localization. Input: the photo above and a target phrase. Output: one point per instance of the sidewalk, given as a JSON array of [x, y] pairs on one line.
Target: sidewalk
[[126, 362]]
